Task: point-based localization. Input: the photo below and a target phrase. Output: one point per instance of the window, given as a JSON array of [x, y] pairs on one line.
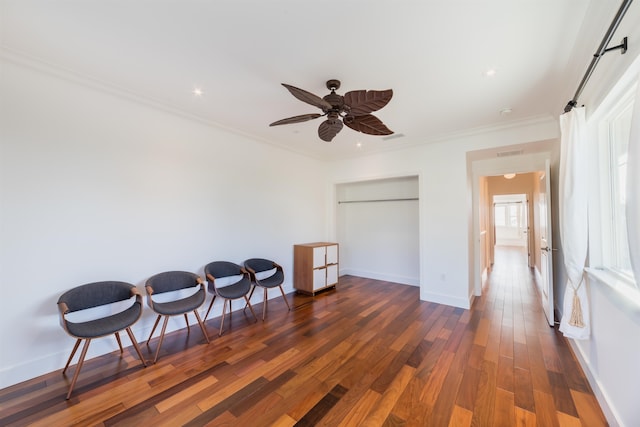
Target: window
[[613, 141], [510, 219]]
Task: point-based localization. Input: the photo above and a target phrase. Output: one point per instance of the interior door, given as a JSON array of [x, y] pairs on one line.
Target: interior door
[[527, 232], [546, 258]]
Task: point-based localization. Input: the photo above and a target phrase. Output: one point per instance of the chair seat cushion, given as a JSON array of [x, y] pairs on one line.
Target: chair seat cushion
[[106, 325], [234, 291], [272, 281], [180, 306]]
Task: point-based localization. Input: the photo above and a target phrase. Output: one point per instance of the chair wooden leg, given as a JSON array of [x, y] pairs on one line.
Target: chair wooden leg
[[164, 328], [204, 331], [224, 309], [209, 309], [285, 298], [253, 288], [264, 304], [153, 329], [135, 345], [117, 334], [83, 354], [73, 352], [251, 308], [186, 319]]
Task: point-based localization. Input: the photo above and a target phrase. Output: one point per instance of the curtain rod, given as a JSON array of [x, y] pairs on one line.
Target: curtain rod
[[377, 200], [601, 51]]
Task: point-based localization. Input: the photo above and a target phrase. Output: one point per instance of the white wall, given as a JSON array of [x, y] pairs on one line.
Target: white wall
[[445, 204], [95, 187], [378, 238], [610, 356]]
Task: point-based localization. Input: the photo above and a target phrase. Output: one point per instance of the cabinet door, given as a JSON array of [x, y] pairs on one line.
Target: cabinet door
[[319, 258], [332, 254], [319, 278], [332, 274]]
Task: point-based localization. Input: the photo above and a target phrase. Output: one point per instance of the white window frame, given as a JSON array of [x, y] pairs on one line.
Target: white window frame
[[607, 173], [600, 221]]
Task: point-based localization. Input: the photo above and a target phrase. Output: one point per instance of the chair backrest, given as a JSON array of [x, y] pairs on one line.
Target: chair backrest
[[219, 269], [172, 281], [95, 294], [259, 264]]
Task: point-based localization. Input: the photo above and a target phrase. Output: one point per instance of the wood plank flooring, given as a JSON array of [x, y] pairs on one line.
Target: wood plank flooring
[[367, 354]]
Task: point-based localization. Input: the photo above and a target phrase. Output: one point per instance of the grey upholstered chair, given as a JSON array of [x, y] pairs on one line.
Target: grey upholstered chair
[[275, 280], [94, 295], [236, 290], [174, 281]]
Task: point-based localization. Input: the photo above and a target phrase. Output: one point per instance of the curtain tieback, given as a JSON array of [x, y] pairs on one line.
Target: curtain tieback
[[576, 311]]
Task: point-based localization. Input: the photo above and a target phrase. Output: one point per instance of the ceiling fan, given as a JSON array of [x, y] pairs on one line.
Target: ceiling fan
[[353, 108]]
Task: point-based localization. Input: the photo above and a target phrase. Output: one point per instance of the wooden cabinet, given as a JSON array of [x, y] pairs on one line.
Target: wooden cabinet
[[315, 266]]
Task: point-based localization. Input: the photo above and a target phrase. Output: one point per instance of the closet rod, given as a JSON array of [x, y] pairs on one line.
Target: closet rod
[[601, 51], [376, 200]]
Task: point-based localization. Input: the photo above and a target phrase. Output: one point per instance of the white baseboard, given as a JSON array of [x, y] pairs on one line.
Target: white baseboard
[[600, 395], [446, 299], [381, 276], [424, 296]]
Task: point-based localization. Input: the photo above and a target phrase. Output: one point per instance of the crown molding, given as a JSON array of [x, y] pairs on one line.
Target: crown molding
[[63, 73], [58, 71]]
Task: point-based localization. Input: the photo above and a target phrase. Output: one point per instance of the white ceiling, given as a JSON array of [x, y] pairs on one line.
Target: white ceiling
[[433, 54]]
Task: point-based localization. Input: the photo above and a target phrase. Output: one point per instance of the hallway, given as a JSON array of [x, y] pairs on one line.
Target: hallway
[[535, 366]]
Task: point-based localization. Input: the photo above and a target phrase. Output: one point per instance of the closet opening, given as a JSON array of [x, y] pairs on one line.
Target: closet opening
[[377, 227]]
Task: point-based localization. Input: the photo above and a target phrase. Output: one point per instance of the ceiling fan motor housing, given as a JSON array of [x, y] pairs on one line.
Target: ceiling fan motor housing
[[336, 101]]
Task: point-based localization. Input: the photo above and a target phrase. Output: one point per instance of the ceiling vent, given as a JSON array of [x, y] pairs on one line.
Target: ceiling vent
[[509, 153]]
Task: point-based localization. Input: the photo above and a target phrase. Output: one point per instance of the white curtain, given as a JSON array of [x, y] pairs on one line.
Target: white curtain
[[575, 321], [633, 189]]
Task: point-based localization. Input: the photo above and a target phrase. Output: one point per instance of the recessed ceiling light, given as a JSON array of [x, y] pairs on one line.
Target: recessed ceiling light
[[506, 111], [490, 72], [359, 144], [197, 91]]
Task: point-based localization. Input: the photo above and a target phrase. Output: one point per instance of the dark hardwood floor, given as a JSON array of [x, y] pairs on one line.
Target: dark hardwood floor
[[369, 353]]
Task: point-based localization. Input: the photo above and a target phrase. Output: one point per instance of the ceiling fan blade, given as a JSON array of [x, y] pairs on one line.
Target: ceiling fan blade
[[328, 129], [368, 124], [366, 101], [308, 97], [296, 119]]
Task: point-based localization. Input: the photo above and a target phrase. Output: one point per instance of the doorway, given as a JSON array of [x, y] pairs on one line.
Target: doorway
[[505, 167]]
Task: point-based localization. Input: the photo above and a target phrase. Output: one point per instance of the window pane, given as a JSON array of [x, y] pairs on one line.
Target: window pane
[[499, 216], [619, 131]]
